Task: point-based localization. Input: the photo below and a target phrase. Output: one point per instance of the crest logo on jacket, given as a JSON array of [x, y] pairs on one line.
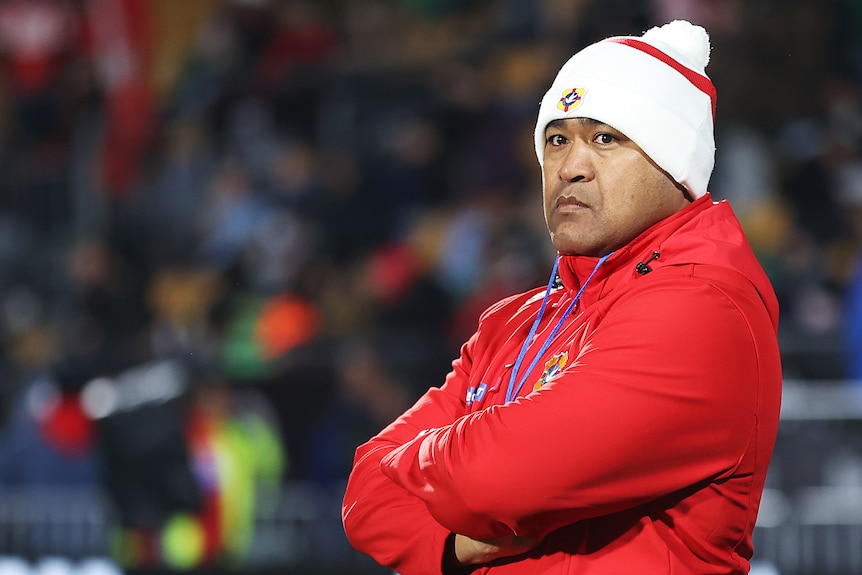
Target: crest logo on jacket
[[571, 99], [553, 368]]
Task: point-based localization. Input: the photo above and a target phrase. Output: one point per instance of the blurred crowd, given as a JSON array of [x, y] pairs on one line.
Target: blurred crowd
[[308, 203]]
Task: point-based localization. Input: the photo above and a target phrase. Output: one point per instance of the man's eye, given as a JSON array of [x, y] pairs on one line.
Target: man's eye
[[556, 140], [604, 138]]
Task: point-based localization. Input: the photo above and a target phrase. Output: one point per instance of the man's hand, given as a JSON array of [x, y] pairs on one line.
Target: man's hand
[[474, 552]]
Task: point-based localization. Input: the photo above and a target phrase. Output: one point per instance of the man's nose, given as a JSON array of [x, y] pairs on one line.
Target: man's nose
[[577, 164]]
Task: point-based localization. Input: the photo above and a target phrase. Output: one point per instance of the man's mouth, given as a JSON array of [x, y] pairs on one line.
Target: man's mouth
[[569, 204]]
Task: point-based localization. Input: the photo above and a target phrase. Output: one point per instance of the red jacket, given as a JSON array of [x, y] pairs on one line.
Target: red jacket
[[644, 446]]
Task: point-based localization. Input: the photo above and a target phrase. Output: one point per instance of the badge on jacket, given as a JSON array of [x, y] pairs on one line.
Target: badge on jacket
[[553, 368]]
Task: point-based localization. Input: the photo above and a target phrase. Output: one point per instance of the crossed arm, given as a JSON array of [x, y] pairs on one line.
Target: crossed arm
[[652, 404]]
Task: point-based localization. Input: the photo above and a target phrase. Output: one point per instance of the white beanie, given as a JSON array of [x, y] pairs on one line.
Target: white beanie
[[653, 89]]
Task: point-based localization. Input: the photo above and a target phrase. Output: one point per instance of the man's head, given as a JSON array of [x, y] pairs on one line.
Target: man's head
[[648, 96]]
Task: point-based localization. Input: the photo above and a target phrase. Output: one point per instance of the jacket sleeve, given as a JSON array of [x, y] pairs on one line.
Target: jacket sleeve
[[662, 396], [381, 518]]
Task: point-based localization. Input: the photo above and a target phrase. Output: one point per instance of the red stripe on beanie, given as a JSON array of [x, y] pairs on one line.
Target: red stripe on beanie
[[700, 81]]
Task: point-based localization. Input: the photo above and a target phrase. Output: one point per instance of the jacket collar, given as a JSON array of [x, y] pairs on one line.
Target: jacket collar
[[621, 266]]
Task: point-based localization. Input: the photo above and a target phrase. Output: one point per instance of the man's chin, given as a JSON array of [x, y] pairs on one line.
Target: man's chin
[[568, 245]]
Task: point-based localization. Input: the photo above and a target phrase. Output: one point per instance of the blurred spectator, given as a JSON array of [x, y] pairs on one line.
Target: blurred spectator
[[851, 323], [236, 449], [184, 302], [405, 174], [38, 41], [186, 458], [367, 396], [230, 215], [47, 439], [180, 180], [43, 74], [346, 214], [409, 315], [106, 322], [120, 34]]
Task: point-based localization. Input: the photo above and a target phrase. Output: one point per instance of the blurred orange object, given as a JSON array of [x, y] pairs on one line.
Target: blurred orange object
[[286, 321]]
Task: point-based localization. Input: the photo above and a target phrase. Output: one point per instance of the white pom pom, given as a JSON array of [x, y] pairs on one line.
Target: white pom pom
[[688, 42]]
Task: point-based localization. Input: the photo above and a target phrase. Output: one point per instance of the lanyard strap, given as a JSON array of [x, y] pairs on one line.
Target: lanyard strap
[[512, 391]]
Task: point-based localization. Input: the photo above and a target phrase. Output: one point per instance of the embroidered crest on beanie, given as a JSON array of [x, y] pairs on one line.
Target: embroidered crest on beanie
[[652, 88]]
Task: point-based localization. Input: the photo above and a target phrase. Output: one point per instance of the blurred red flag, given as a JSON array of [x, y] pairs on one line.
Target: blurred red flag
[[120, 36]]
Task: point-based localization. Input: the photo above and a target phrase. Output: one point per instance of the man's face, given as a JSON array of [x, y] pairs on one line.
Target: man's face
[[600, 189]]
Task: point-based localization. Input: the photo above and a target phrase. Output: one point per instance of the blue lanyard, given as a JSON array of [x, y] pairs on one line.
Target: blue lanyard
[[512, 391]]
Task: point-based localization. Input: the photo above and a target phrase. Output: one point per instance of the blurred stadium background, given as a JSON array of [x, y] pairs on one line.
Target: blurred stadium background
[[237, 237]]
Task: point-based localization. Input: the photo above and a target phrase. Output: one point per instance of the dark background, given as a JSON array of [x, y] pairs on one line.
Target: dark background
[[306, 205]]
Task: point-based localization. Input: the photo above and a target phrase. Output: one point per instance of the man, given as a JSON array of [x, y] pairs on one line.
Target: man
[[621, 421]]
